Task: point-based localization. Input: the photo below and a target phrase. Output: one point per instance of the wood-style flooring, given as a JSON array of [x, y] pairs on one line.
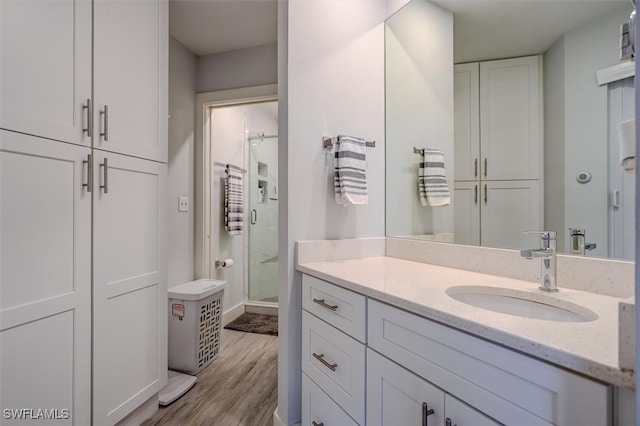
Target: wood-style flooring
[[239, 388]]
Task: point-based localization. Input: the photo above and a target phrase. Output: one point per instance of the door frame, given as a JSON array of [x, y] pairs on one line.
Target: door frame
[[203, 257]]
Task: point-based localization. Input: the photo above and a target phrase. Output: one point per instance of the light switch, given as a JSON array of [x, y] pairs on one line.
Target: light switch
[[183, 204]]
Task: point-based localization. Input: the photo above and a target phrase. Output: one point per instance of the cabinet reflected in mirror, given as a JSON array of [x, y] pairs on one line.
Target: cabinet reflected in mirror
[[509, 92]]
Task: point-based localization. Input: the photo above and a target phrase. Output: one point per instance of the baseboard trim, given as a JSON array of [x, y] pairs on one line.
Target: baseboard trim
[[232, 313], [261, 308]]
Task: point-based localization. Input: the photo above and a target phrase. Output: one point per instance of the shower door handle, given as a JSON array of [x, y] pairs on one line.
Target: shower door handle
[[254, 216]]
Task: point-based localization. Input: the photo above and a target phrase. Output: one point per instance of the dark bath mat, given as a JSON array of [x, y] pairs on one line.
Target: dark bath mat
[[255, 323]]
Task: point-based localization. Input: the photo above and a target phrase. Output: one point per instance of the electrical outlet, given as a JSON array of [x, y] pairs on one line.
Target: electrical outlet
[[183, 204]]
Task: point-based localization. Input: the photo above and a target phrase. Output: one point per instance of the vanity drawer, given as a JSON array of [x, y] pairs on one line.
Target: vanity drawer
[[511, 387], [341, 308], [336, 363], [318, 407]]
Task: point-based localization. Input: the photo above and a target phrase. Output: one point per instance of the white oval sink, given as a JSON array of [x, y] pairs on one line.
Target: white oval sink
[[521, 303]]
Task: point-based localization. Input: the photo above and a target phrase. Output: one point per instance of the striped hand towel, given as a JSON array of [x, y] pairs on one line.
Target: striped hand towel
[[350, 179], [432, 180], [233, 200]]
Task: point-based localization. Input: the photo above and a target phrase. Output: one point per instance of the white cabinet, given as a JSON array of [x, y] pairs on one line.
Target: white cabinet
[[415, 365], [129, 284], [82, 270], [45, 279], [508, 208], [45, 68], [504, 385], [130, 77], [498, 152], [496, 213], [510, 118], [47, 76]]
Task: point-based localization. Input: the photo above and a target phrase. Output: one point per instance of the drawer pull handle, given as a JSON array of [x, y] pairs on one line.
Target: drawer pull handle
[[447, 422], [320, 358], [321, 302], [426, 412], [317, 424]]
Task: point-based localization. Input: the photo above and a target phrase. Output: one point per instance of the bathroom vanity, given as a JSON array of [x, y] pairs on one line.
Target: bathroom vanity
[[386, 340]]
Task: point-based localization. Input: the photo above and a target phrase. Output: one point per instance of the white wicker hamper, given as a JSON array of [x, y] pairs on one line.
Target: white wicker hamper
[[195, 319]]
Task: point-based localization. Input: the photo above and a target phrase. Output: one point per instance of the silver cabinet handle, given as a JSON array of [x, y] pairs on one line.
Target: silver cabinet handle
[[475, 168], [105, 113], [254, 216], [475, 197], [89, 163], [89, 128], [105, 175], [616, 199], [485, 194], [485, 166], [320, 357], [426, 412], [313, 423], [447, 421], [322, 303]]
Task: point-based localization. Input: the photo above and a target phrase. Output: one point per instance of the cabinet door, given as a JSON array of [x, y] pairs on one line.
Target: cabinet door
[[466, 121], [45, 277], [129, 285], [510, 118], [396, 396], [45, 68], [509, 208], [466, 207], [460, 414], [130, 77]]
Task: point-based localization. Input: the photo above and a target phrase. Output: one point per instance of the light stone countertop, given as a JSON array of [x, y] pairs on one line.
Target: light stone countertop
[[589, 348]]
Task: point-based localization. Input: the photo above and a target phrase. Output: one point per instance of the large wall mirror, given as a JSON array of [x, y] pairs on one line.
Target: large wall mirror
[[514, 107]]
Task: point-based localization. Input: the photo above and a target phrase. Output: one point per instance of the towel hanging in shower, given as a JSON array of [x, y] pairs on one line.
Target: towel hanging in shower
[[233, 200], [432, 180], [350, 178]]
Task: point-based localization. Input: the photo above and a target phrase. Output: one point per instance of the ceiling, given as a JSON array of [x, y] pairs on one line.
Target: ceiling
[[213, 26], [489, 29], [483, 29]]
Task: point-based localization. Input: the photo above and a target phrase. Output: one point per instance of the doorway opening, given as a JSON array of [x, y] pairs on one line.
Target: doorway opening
[[243, 135]]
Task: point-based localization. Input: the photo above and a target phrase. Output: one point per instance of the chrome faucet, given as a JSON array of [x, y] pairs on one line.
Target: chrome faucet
[[547, 253]]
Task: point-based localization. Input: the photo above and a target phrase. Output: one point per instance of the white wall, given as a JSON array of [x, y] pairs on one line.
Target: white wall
[[253, 66], [586, 49], [419, 113], [331, 81], [182, 85]]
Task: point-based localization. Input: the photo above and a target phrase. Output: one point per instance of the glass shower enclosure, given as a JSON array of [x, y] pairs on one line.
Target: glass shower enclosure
[[263, 218]]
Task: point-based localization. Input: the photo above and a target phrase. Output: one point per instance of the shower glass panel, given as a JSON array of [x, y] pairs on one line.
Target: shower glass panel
[[263, 217]]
